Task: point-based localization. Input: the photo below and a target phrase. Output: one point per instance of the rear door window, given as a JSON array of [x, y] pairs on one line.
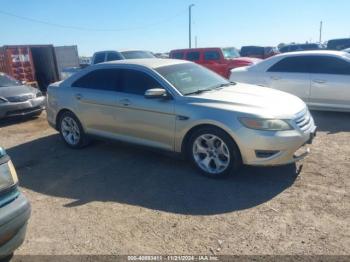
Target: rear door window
[[193, 56], [101, 79], [99, 58], [211, 55], [297, 64]]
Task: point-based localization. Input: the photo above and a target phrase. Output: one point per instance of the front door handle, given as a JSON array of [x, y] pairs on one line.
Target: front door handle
[[320, 81], [78, 96], [125, 102]]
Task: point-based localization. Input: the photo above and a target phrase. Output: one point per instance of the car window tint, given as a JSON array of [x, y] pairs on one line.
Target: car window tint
[[284, 49], [252, 50], [112, 56], [178, 55], [212, 55], [192, 56], [136, 82], [329, 65], [102, 79], [297, 64], [99, 58]]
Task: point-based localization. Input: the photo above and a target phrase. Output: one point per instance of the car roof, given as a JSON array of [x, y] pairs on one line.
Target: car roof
[[121, 51], [148, 62], [195, 49], [133, 50], [313, 52]]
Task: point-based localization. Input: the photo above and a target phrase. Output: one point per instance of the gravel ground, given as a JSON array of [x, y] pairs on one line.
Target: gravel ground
[[113, 198]]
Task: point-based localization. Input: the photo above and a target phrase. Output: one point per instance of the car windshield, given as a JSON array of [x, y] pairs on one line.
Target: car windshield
[[230, 53], [189, 78], [6, 80], [137, 54]]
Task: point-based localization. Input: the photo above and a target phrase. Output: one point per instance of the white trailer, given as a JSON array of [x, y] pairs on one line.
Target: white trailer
[[66, 57]]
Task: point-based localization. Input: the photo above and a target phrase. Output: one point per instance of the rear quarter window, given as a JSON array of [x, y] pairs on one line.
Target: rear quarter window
[[297, 64]]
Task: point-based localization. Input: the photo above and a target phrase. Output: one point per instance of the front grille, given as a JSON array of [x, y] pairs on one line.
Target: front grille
[[304, 120], [24, 111], [20, 98]]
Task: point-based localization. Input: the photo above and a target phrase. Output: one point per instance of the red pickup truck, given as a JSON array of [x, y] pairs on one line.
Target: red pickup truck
[[220, 60]]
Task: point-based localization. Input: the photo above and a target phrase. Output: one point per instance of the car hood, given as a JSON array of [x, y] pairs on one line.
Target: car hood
[[9, 91], [253, 100]]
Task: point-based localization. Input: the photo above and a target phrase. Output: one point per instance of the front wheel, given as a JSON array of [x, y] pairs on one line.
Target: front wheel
[[214, 152]]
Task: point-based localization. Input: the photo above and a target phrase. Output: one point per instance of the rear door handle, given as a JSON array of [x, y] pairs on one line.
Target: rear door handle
[[125, 102], [319, 81], [78, 96], [275, 78]]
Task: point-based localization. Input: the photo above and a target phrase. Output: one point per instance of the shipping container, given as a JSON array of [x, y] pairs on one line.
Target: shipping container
[[66, 57], [34, 64]]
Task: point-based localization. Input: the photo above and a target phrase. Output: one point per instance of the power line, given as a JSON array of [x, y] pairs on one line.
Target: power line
[[88, 28]]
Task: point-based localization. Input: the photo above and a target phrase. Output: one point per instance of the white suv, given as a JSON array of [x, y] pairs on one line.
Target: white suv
[[105, 56]]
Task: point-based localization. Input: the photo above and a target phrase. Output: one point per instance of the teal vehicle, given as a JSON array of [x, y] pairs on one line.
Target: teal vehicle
[[14, 208]]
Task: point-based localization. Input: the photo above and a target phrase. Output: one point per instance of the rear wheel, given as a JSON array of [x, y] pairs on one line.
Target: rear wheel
[[213, 152], [72, 131]]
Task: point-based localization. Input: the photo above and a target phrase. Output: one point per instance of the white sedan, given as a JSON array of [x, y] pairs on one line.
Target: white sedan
[[320, 78]]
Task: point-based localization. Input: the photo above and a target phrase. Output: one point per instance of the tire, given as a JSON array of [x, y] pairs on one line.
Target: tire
[[71, 131], [7, 258], [213, 152]]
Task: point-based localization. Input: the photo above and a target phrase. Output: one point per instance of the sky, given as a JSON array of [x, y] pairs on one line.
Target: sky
[[162, 25]]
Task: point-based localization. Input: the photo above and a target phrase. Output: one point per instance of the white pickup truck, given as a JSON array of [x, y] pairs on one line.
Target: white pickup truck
[[105, 56]]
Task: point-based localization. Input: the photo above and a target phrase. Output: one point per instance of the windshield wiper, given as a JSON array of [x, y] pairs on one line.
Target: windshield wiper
[[199, 91], [224, 85]]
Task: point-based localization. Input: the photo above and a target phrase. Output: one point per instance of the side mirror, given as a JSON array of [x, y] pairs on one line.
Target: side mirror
[[156, 93]]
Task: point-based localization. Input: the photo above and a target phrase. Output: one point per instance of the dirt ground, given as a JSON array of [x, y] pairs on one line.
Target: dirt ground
[[113, 198]]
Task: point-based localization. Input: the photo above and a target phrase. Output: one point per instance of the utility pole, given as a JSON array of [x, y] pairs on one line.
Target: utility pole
[[321, 25], [190, 25]]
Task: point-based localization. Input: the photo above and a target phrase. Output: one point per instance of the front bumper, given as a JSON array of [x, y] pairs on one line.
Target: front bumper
[[29, 107], [13, 224], [280, 148]]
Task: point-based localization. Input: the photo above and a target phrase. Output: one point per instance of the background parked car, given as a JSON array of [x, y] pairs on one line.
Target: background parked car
[[220, 60], [338, 44], [300, 47], [347, 50], [320, 78], [17, 99], [104, 56], [259, 51], [14, 208]]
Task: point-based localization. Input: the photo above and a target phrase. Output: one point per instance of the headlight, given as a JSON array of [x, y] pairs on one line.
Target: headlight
[[8, 175], [265, 124], [39, 94], [2, 100]]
